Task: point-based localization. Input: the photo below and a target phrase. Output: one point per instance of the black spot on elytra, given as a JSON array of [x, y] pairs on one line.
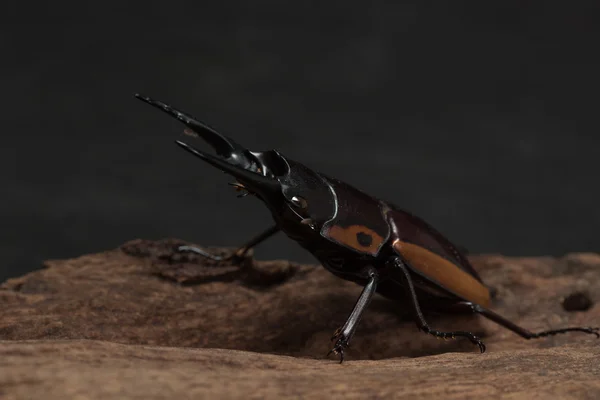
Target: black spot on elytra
[[577, 301], [364, 239]]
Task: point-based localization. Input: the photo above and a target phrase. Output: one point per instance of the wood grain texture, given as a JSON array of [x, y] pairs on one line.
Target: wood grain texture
[[143, 322], [101, 370]]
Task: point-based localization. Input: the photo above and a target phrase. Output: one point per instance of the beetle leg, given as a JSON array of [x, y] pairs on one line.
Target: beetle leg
[[237, 255], [343, 335], [420, 319], [476, 308]]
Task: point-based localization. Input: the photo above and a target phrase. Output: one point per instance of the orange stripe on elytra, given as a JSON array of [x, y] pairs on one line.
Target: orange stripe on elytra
[[349, 236], [444, 272]]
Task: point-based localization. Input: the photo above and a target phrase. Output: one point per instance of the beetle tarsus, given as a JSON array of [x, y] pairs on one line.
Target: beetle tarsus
[[199, 251], [339, 347], [524, 333], [453, 335], [238, 255], [336, 351], [590, 330], [235, 257]]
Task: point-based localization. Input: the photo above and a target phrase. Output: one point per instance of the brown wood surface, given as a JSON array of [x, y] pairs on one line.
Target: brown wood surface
[[85, 369], [141, 322]]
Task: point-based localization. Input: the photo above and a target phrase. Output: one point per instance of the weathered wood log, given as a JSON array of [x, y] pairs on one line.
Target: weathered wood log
[[144, 321]]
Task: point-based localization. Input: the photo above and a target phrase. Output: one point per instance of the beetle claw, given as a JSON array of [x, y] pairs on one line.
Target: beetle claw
[[475, 340], [337, 349], [340, 344], [481, 346]]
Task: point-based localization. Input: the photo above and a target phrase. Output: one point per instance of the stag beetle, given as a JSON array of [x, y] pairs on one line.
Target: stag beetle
[[355, 236]]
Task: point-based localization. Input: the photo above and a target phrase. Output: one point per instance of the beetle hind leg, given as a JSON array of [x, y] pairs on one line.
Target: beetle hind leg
[[399, 265], [524, 333], [586, 329]]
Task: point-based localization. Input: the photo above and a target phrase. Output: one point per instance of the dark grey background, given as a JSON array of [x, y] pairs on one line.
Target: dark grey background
[[480, 117]]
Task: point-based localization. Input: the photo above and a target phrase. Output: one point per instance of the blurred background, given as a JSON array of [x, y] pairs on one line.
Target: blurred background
[[480, 117]]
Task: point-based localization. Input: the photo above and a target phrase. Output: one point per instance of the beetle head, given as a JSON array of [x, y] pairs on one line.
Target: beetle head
[[308, 196], [288, 188]]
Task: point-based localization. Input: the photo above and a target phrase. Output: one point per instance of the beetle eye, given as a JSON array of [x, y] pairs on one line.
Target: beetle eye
[[299, 202]]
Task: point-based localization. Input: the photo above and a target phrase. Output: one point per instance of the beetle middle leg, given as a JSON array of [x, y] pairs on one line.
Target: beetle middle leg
[[399, 265], [237, 255], [343, 335]]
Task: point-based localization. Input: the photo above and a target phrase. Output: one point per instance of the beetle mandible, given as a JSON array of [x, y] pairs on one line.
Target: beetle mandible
[[355, 236]]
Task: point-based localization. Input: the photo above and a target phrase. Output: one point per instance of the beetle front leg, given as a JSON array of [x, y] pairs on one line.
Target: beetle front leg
[[343, 335], [399, 265], [237, 255]]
